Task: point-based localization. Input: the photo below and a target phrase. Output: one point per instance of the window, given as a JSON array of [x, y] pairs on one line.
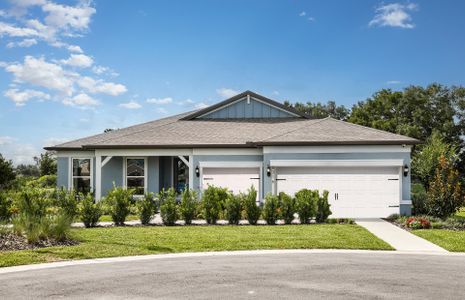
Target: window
[[82, 175], [181, 175], [135, 175]]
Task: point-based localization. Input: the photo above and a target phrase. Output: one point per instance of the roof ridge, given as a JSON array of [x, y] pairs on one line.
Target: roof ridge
[[300, 127]]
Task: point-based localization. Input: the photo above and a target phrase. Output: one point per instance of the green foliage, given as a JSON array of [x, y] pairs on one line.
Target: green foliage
[[322, 211], [146, 208], [189, 204], [287, 207], [213, 199], [28, 170], [233, 207], [67, 201], [118, 203], [7, 173], [418, 199], [319, 110], [445, 195], [46, 181], [47, 163], [252, 210], [6, 204], [169, 207], [306, 204], [89, 212], [271, 209]]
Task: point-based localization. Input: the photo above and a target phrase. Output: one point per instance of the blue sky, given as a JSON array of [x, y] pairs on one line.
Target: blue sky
[[69, 69]]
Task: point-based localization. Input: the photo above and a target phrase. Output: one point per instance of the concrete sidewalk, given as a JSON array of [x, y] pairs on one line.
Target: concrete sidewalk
[[398, 238]]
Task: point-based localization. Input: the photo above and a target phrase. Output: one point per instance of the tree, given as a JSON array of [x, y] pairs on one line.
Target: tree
[[47, 163], [7, 173], [27, 170], [320, 110]]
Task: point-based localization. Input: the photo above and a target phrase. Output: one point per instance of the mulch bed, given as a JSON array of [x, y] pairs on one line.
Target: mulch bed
[[12, 242]]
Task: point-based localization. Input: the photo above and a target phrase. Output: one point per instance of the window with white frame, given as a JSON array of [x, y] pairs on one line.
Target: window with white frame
[[82, 175], [135, 175]]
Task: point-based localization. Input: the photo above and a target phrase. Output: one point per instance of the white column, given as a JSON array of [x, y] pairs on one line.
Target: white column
[[191, 171], [98, 178]]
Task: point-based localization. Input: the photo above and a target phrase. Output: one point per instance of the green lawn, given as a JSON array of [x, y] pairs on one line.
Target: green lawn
[[107, 218], [123, 241], [448, 239], [461, 213]]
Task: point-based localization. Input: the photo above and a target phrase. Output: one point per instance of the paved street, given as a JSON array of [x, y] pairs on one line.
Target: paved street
[[264, 276]]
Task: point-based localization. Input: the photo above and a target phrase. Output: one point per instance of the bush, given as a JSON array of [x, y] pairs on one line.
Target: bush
[[418, 223], [118, 202], [233, 207], [213, 199], [6, 204], [271, 209], [189, 204], [306, 204], [168, 207], [322, 211], [67, 201], [146, 208], [89, 212], [287, 207], [418, 199], [445, 195], [252, 210]]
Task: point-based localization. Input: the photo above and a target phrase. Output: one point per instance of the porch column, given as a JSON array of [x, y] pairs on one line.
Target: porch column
[[98, 178], [191, 171]]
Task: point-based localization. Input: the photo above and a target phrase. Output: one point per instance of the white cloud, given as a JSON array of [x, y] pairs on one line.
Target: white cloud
[[201, 105], [99, 70], [226, 92], [26, 43], [130, 105], [19, 153], [6, 140], [38, 72], [302, 14], [394, 15], [78, 60], [99, 86], [393, 82], [68, 17], [21, 97], [52, 141], [81, 100], [160, 101], [74, 48], [276, 93], [162, 110], [14, 31]]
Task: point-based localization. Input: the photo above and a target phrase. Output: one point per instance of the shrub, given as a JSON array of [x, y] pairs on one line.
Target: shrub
[[6, 203], [89, 212], [146, 208], [233, 207], [118, 202], [189, 204], [213, 199], [418, 199], [271, 209], [322, 211], [67, 201], [418, 223], [252, 210], [60, 226], [445, 195], [168, 207], [287, 207], [306, 204]]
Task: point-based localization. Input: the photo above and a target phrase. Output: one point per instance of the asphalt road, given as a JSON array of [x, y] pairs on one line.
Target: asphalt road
[[267, 276]]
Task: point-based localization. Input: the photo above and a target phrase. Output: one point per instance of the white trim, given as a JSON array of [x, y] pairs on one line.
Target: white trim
[[337, 163], [230, 164], [183, 160], [227, 151], [406, 202], [143, 152], [337, 149], [106, 160], [125, 167], [71, 176], [191, 172], [85, 154], [98, 178]]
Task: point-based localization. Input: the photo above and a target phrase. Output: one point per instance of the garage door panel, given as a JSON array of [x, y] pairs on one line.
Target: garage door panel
[[362, 192], [237, 180]]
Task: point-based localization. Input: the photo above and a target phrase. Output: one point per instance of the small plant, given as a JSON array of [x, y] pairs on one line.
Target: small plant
[[252, 210], [168, 207], [89, 212], [6, 205], [67, 201], [418, 223], [146, 208], [322, 211], [189, 204], [118, 202], [213, 199], [306, 204], [233, 209], [287, 207], [271, 209]]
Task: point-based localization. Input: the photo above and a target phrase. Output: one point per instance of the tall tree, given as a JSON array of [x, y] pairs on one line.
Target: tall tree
[[47, 163], [7, 173], [27, 170], [320, 110]]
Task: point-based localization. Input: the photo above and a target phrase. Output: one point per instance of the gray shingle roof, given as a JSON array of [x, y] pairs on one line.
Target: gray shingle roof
[[173, 132]]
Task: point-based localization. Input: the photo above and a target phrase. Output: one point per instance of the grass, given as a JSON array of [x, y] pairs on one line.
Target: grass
[[461, 213], [107, 218], [448, 239], [124, 241]]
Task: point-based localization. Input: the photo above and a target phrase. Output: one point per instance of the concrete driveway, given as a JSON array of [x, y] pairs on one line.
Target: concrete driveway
[[333, 275]]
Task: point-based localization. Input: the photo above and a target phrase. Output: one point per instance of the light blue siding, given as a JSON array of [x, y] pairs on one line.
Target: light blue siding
[[244, 110], [62, 172], [112, 173], [153, 174]]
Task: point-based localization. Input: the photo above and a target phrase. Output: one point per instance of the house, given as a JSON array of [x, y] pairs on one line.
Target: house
[[248, 140]]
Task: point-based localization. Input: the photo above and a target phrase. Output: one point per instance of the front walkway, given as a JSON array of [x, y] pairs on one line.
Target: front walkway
[[398, 238]]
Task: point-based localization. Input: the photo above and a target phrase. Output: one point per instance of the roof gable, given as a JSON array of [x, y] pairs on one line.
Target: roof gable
[[246, 105]]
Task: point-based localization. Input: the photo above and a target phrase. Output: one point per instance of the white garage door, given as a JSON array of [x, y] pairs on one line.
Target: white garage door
[[366, 192], [237, 180]]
